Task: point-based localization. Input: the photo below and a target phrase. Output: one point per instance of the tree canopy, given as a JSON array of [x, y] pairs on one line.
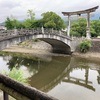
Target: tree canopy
[[52, 20], [78, 28], [12, 23], [49, 20]]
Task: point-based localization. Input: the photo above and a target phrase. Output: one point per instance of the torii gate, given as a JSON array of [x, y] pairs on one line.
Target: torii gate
[[87, 11]]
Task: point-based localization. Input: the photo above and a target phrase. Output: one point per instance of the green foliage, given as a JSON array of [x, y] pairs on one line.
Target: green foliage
[[95, 24], [85, 45], [37, 24], [12, 23], [78, 28], [17, 75], [52, 20], [75, 33], [31, 14], [27, 23]]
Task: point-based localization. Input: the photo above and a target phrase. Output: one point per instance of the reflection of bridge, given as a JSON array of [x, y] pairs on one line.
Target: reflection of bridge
[[41, 81]]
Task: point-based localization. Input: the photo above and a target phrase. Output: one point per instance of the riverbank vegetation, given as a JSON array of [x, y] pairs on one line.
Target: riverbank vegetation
[[17, 75], [85, 46]]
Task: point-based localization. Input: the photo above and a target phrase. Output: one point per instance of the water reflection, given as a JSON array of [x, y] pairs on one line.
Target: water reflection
[[50, 75], [46, 74]]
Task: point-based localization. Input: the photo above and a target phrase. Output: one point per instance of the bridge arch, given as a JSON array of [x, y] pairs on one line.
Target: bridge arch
[[59, 44]]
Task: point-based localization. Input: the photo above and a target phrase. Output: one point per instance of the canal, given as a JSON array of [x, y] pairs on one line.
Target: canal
[[63, 77]]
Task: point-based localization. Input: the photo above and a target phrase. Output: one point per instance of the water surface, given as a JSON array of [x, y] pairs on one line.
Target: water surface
[[64, 77]]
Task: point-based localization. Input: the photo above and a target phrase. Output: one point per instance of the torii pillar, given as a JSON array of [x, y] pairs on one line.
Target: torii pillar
[[68, 28], [87, 11], [88, 35]]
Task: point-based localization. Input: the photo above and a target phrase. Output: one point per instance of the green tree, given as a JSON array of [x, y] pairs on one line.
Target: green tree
[[12, 23], [95, 24], [28, 23], [31, 14], [8, 23], [37, 24], [75, 29], [78, 28], [52, 20]]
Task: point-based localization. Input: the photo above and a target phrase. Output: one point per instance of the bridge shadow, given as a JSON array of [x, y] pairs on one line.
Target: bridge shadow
[[58, 46]]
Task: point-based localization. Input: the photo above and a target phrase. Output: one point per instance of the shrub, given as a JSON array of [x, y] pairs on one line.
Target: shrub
[[85, 45], [17, 75]]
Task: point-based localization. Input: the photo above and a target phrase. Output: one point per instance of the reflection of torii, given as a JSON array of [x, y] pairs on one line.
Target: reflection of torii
[[87, 11], [85, 83], [98, 77]]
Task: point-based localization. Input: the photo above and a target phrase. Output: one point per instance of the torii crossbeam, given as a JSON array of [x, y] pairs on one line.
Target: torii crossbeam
[[87, 11]]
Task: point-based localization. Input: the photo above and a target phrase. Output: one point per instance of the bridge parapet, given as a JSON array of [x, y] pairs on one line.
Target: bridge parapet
[[16, 32]]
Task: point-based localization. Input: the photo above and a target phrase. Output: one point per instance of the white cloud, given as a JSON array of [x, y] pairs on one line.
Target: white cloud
[[19, 8]]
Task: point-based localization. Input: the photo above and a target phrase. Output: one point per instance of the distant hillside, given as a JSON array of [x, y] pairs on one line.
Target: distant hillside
[[2, 23]]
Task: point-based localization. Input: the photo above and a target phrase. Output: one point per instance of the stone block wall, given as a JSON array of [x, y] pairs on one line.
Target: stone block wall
[[95, 46]]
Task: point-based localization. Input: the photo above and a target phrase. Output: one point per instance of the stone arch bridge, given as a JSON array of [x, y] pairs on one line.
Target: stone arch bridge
[[57, 39]]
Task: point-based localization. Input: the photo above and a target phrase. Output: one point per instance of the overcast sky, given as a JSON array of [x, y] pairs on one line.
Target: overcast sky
[[18, 8]]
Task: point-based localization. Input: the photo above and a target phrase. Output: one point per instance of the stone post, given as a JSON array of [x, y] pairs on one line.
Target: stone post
[[15, 31], [42, 30]]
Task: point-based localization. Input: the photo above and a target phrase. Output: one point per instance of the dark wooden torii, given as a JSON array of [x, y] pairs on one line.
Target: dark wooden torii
[[87, 11]]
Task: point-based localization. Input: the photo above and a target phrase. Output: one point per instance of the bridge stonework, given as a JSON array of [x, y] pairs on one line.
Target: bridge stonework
[[59, 42]]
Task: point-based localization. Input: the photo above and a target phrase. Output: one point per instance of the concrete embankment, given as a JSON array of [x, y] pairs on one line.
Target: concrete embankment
[[93, 53]]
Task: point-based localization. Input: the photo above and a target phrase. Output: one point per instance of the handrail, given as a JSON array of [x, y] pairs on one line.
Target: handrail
[[13, 87]]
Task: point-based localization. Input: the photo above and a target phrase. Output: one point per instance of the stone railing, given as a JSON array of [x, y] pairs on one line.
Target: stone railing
[[8, 33], [20, 91]]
